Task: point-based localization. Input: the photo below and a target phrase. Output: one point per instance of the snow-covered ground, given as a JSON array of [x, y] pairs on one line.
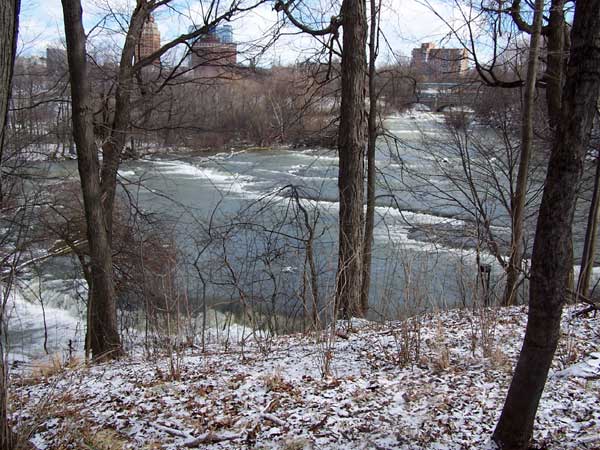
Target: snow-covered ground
[[436, 382]]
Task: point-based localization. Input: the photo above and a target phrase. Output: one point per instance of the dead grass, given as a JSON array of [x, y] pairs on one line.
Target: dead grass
[[44, 369]]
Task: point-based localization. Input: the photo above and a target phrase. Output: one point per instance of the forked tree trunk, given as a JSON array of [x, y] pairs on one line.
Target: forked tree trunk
[[552, 249], [351, 146], [513, 271], [371, 147], [102, 317], [9, 25]]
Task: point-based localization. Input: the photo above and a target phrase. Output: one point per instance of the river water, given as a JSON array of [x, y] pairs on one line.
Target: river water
[[425, 241]]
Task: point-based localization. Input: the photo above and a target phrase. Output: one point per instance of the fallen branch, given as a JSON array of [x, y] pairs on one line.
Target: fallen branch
[[593, 305], [274, 419], [211, 438], [171, 431]]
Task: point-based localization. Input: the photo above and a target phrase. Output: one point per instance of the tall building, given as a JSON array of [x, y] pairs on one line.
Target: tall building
[[56, 61], [430, 60], [214, 52], [225, 34], [149, 41], [420, 56]]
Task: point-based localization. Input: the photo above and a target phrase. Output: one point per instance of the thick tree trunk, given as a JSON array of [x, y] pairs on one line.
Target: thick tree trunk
[[589, 246], [513, 271], [351, 145], [552, 251], [371, 147], [9, 25], [102, 318]]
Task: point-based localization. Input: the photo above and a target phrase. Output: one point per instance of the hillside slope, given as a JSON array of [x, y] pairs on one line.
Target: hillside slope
[[436, 382]]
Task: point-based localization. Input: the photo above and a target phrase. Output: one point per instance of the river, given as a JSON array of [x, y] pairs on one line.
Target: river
[[425, 241]]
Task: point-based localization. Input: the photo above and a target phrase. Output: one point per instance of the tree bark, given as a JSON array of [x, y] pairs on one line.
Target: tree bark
[[513, 271], [9, 25], [102, 318], [371, 147], [555, 38], [552, 250], [351, 146], [113, 148], [589, 245]]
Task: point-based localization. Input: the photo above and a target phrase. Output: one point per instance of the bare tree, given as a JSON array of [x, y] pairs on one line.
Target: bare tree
[[9, 16], [589, 244], [103, 336], [9, 24], [375, 11], [552, 251], [351, 147], [494, 72], [514, 268], [99, 181]]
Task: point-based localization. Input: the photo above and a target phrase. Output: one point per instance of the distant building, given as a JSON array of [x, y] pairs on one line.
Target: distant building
[[56, 61], [149, 41], [433, 61], [214, 53], [31, 62], [225, 34]]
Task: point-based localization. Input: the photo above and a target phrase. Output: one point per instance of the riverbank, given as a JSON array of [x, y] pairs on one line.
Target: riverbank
[[436, 381]]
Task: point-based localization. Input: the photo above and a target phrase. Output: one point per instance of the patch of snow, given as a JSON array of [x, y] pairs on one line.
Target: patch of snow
[[589, 368]]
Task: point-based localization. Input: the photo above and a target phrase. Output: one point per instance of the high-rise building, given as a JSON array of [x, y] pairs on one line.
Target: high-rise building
[[149, 41], [225, 34], [420, 56], [56, 61], [214, 52], [430, 60]]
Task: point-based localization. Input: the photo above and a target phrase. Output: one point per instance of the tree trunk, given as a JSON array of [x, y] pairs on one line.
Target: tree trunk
[[372, 140], [589, 246], [513, 271], [102, 318], [9, 25], [113, 148], [554, 76], [552, 250], [351, 146]]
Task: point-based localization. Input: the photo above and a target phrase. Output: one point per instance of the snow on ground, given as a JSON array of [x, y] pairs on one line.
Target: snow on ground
[[437, 382]]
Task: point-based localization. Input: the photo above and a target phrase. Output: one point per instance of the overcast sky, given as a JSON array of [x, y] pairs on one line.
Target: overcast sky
[[405, 23]]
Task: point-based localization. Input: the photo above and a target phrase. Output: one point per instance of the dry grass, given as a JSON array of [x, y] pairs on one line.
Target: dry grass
[[43, 369], [276, 383]]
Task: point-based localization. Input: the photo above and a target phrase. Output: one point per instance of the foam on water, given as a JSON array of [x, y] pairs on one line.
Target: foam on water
[[415, 218], [31, 319], [230, 182], [126, 173]]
